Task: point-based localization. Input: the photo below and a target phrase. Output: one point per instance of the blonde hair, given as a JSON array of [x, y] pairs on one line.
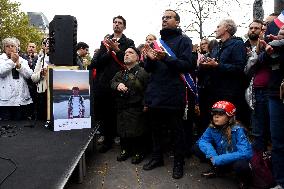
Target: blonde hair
[[152, 36]]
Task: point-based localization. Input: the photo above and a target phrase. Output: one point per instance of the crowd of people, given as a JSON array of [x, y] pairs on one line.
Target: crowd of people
[[226, 89]]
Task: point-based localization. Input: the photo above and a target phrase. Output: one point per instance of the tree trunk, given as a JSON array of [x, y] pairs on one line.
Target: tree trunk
[[278, 6], [258, 12]]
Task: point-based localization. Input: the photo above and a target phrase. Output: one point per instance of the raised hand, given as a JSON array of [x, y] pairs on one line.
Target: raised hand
[[149, 52], [113, 44]]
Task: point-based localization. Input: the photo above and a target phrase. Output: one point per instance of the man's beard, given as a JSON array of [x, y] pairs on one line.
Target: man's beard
[[253, 36]]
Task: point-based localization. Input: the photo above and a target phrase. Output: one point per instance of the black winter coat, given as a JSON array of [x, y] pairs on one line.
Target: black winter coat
[[228, 77], [106, 67], [130, 116], [166, 89]]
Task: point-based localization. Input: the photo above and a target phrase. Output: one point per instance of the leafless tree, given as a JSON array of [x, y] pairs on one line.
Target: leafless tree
[[202, 13], [258, 12]]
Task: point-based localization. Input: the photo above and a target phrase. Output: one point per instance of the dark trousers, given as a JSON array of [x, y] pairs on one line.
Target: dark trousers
[[30, 111], [276, 112], [240, 167], [105, 113], [260, 119], [12, 113], [205, 108], [172, 119], [132, 145], [41, 106]]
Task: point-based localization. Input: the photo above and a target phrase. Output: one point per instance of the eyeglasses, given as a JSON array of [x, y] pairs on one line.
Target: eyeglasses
[[167, 17]]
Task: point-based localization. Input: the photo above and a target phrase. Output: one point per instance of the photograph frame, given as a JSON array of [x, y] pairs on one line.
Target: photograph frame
[[56, 120]]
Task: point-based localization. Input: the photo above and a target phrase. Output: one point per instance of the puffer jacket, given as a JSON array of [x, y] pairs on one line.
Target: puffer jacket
[[14, 92], [214, 145]]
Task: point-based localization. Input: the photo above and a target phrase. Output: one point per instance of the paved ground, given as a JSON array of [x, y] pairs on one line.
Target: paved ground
[[104, 172]]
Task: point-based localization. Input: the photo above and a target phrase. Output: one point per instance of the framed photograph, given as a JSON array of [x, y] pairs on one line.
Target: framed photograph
[[70, 99]]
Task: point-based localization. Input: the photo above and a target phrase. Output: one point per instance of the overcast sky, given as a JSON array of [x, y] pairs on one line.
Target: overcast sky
[[95, 16]]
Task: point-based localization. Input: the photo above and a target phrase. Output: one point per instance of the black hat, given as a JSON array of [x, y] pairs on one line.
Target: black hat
[[136, 50]]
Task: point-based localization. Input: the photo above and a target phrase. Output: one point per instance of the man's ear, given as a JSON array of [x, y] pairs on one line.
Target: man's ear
[[177, 23]]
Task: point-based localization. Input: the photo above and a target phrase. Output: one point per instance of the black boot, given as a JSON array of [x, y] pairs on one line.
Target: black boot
[[153, 163], [178, 170], [104, 148], [122, 156], [137, 159]]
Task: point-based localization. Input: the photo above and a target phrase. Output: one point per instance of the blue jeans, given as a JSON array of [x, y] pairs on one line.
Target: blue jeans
[[260, 119], [276, 112]]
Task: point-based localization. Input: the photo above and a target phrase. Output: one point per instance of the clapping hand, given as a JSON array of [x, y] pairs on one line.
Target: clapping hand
[[154, 54], [15, 59], [209, 63], [112, 44]]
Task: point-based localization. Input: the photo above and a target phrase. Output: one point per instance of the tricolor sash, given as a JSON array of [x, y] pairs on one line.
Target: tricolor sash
[[186, 77], [279, 21]]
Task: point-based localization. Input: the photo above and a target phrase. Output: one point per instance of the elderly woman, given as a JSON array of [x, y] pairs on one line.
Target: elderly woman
[[14, 70]]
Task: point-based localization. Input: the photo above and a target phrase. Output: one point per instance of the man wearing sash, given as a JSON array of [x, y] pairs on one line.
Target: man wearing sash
[[165, 97], [108, 61]]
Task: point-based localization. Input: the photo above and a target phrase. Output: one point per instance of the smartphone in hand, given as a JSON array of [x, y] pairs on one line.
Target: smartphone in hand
[[156, 46]]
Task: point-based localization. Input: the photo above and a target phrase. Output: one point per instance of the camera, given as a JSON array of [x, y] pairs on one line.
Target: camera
[[15, 74]]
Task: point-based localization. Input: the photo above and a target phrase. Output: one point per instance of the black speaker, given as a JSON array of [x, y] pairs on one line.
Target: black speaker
[[62, 40]]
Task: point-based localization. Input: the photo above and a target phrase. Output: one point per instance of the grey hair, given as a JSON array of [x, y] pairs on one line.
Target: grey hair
[[231, 26], [10, 41]]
